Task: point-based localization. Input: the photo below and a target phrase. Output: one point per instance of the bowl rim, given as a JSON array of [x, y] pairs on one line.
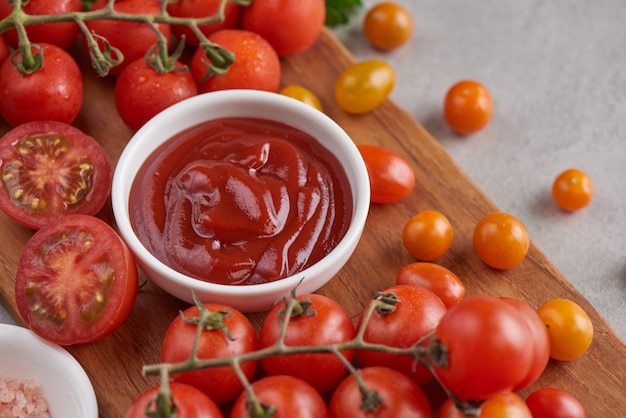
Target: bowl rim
[[244, 99]]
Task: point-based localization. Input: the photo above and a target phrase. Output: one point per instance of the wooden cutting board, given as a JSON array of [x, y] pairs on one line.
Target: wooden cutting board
[[114, 363]]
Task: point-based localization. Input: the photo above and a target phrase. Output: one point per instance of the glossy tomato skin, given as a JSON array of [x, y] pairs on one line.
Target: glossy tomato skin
[[290, 396], [190, 403], [303, 95], [53, 303], [61, 34], [502, 405], [390, 175], [52, 169], [402, 397], [486, 341], [387, 25], [570, 328], [501, 240], [141, 92], [365, 85], [572, 190], [434, 277], [201, 9], [221, 384], [326, 322], [54, 92], [415, 305], [554, 403], [428, 235], [290, 27], [256, 67], [468, 107]]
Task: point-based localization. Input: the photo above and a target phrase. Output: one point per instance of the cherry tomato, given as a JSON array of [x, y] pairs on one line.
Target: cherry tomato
[[228, 333], [302, 94], [554, 403], [501, 240], [290, 396], [57, 306], [390, 175], [322, 322], [413, 305], [54, 92], [132, 39], [5, 50], [569, 327], [434, 277], [256, 65], [468, 107], [364, 86], [539, 342], [202, 9], [141, 91], [505, 404], [61, 34], [189, 401], [387, 25], [290, 27], [572, 190], [427, 235], [51, 169], [486, 341], [401, 396]]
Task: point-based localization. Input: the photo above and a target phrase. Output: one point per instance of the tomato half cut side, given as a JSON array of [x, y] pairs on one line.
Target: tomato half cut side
[[51, 169], [76, 281]]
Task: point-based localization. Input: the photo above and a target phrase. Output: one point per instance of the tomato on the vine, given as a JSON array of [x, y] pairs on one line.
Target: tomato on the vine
[[390, 175], [501, 240], [554, 403], [227, 332], [572, 190], [427, 235], [468, 107], [202, 9], [256, 65], [387, 25], [141, 91], [318, 320], [397, 307], [54, 92], [365, 85], [189, 402], [302, 94], [5, 49], [400, 395], [288, 396], [50, 299], [291, 27], [434, 277], [51, 169], [504, 404], [569, 328]]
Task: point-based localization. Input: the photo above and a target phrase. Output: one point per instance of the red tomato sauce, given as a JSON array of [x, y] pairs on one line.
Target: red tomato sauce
[[240, 201]]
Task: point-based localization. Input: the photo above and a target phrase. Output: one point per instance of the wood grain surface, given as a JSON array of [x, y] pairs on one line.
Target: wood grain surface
[[114, 363]]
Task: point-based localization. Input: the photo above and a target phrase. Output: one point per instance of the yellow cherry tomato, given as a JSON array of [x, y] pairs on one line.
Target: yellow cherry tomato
[[501, 240], [572, 190], [302, 94], [387, 26], [569, 328], [363, 86], [428, 235]]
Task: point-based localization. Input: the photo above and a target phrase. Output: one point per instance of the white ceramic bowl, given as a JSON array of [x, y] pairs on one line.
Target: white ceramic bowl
[[62, 381], [241, 103]]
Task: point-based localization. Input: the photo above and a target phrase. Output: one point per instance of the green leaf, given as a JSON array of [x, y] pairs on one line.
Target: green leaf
[[338, 12]]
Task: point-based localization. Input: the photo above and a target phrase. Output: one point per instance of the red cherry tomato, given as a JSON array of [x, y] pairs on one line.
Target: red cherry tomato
[[414, 305], [141, 91], [288, 395], [468, 107], [229, 333], [572, 190], [202, 9], [291, 27], [51, 169], [323, 322], [434, 277], [428, 235], [52, 93], [256, 65], [190, 403], [502, 405], [390, 175], [554, 403], [501, 240], [60, 308]]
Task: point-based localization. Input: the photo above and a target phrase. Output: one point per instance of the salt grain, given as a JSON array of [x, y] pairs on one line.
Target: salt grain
[[20, 399]]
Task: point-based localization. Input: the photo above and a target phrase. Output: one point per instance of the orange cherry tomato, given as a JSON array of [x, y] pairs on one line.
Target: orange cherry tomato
[[468, 107], [387, 26], [428, 235], [434, 277], [501, 240], [505, 404], [572, 190], [569, 328], [302, 94], [390, 175]]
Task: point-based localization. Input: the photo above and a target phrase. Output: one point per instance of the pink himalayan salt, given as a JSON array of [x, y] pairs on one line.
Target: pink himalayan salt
[[20, 399]]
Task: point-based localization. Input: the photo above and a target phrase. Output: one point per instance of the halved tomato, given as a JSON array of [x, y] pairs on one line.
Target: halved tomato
[[51, 169], [76, 280]]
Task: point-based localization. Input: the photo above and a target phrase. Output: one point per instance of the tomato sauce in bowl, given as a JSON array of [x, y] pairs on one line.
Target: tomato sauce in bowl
[[240, 201]]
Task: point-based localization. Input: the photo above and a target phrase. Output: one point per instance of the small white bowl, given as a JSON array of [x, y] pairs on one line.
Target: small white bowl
[[62, 381], [253, 104]]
